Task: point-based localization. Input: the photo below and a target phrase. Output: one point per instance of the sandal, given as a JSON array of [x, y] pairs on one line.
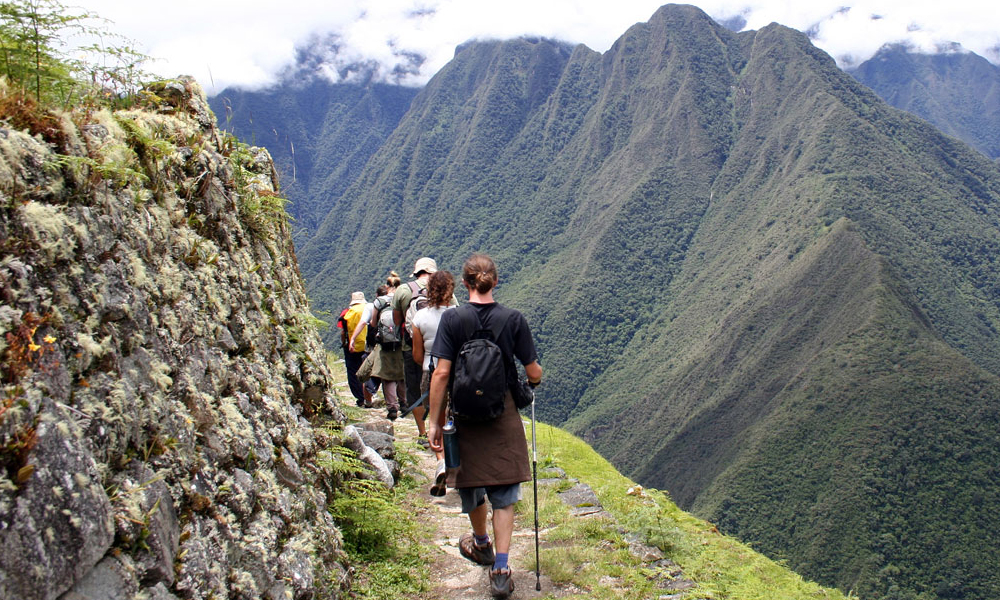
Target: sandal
[[481, 555]]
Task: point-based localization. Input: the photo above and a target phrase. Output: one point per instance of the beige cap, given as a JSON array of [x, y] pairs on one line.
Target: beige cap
[[357, 298], [425, 264]]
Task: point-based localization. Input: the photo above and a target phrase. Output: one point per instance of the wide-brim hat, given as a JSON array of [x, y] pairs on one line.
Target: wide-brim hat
[[425, 265], [357, 298]]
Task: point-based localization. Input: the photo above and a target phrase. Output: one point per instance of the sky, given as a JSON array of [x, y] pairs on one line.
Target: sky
[[248, 43]]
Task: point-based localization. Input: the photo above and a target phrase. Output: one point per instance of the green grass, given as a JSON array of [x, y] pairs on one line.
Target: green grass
[[586, 552]]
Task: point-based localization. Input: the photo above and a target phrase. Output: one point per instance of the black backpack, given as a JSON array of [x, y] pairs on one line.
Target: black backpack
[[479, 373], [482, 373]]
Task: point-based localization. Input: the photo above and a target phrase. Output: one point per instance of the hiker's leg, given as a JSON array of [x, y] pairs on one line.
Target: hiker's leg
[[352, 361], [478, 519], [421, 417], [502, 499], [412, 372], [503, 528], [474, 505], [389, 388], [418, 416], [374, 384]]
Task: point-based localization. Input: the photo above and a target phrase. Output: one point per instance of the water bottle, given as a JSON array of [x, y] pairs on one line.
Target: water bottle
[[451, 458]]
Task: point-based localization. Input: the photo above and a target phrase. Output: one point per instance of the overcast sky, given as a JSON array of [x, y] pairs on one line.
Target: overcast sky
[[247, 42]]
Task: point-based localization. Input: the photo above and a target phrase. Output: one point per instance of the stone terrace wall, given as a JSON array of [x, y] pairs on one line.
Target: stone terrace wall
[[159, 361]]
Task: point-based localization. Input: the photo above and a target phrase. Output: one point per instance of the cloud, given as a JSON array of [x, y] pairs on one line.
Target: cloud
[[852, 32], [251, 43]]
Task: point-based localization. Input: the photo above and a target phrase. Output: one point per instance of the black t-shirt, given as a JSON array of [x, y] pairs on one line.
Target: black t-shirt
[[515, 338]]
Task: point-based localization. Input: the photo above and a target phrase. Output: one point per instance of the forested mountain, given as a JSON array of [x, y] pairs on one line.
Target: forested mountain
[[959, 92], [320, 134], [753, 283]]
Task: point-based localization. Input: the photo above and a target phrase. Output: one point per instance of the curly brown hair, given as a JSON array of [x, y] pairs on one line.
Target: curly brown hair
[[440, 287]]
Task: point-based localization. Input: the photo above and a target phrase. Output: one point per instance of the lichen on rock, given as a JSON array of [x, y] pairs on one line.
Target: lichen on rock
[[159, 367]]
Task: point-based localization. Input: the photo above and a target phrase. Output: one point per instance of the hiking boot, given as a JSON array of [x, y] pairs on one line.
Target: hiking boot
[[501, 583], [392, 414], [440, 488], [481, 555]]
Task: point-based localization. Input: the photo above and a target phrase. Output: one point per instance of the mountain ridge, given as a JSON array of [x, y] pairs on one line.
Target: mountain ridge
[[670, 218], [959, 92]]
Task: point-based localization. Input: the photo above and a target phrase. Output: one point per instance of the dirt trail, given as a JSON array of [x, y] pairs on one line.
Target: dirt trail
[[453, 576]]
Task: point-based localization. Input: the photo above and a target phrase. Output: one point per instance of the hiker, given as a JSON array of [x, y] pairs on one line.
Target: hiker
[[387, 361], [408, 300], [493, 454], [354, 346], [371, 384], [440, 290]]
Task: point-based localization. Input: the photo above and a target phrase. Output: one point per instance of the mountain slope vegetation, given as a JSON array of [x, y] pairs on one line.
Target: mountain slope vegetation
[[321, 135], [959, 92], [752, 282]]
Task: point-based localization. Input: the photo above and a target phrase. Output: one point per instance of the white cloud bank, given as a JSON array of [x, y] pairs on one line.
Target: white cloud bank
[[248, 42]]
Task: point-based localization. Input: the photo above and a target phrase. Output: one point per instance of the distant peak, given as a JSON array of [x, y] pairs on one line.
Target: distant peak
[[678, 12]]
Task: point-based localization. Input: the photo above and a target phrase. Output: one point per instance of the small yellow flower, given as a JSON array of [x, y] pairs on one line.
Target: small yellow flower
[[49, 339], [34, 347]]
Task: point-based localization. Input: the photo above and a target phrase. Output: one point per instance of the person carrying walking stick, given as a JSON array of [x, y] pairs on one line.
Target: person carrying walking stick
[[493, 451]]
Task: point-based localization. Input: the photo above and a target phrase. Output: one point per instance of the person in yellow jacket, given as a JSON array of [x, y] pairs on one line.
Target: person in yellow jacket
[[354, 346]]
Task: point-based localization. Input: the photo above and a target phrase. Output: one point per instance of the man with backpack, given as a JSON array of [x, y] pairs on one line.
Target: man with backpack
[[354, 346], [492, 448], [406, 302], [370, 387]]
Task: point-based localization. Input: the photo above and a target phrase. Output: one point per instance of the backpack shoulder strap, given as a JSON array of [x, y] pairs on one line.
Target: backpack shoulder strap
[[470, 320], [501, 314]]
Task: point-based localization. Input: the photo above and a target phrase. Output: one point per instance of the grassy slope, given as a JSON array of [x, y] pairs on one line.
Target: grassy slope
[[722, 567]]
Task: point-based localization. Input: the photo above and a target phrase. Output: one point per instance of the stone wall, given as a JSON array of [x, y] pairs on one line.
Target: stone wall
[[159, 364]]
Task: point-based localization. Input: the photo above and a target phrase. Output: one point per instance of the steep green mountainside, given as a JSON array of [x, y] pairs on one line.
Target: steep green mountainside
[[753, 283], [958, 92], [321, 135], [560, 163]]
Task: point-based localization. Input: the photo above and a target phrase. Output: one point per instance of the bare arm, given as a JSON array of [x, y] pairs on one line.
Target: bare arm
[[534, 373], [418, 346], [439, 384], [357, 332]]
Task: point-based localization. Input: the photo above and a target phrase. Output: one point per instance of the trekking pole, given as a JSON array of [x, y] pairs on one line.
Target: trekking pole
[[534, 482]]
